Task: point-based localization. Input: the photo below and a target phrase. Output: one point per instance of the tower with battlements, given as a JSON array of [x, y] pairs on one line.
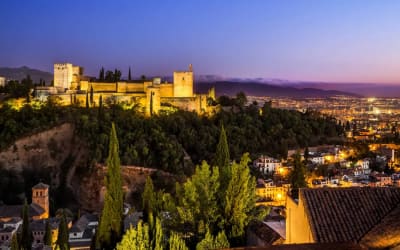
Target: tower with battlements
[[183, 83], [66, 76], [40, 196]]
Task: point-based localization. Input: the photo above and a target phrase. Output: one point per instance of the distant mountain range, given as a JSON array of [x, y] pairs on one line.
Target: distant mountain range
[[251, 86], [263, 89], [361, 89], [21, 73]]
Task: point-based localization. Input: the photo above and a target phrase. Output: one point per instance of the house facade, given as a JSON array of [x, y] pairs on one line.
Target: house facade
[[267, 165]]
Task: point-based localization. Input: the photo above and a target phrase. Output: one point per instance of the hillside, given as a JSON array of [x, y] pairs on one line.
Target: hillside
[[21, 72], [263, 89], [58, 157]]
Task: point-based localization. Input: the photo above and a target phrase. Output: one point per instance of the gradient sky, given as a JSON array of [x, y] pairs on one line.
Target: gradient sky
[[316, 40]]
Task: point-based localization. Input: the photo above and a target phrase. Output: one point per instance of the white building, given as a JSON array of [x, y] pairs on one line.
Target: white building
[[364, 163], [82, 232], [66, 75], [362, 167], [316, 158], [2, 81], [266, 164]]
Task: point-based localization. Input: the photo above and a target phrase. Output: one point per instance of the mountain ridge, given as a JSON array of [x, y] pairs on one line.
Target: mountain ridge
[[263, 89], [22, 72]]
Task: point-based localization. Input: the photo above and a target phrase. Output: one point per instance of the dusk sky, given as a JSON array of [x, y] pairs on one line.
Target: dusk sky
[[335, 40]]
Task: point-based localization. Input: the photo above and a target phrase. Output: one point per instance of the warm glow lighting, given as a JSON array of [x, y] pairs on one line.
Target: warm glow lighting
[[279, 196]]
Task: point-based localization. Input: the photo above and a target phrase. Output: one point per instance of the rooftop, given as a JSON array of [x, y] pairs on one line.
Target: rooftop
[[40, 185], [349, 214]]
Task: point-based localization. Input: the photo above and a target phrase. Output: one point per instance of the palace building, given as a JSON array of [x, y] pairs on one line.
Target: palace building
[[150, 96]]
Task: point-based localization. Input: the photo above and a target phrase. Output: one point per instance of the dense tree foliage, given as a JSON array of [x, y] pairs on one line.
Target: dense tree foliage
[[26, 234], [197, 200], [162, 140], [205, 208], [176, 242], [110, 225], [240, 199], [16, 89], [136, 238], [209, 242]]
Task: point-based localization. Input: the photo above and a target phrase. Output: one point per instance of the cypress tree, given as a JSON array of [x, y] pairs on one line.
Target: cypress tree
[[101, 75], [48, 240], [26, 235], [62, 240], [222, 152], [306, 154], [14, 242], [91, 95], [297, 176], [222, 159], [157, 236], [151, 103], [110, 226], [148, 199], [87, 100], [100, 107], [129, 74]]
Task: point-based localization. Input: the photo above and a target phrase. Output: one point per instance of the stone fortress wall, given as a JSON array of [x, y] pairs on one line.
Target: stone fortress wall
[[151, 96]]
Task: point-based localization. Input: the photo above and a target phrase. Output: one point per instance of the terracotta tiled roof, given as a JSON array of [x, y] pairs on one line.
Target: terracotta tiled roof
[[9, 211], [309, 246], [264, 232], [386, 234], [347, 214]]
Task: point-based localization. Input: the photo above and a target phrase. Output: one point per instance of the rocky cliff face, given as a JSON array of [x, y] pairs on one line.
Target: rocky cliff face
[[91, 189], [52, 156], [59, 157], [45, 149]]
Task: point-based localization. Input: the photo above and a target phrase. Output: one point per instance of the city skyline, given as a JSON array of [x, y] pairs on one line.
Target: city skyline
[[335, 41]]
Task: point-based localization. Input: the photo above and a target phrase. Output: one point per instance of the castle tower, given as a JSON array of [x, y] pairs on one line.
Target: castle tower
[[67, 76], [40, 196], [183, 83], [63, 75]]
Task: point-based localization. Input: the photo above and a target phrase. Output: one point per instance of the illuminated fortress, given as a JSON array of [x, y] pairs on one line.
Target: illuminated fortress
[[150, 96]]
